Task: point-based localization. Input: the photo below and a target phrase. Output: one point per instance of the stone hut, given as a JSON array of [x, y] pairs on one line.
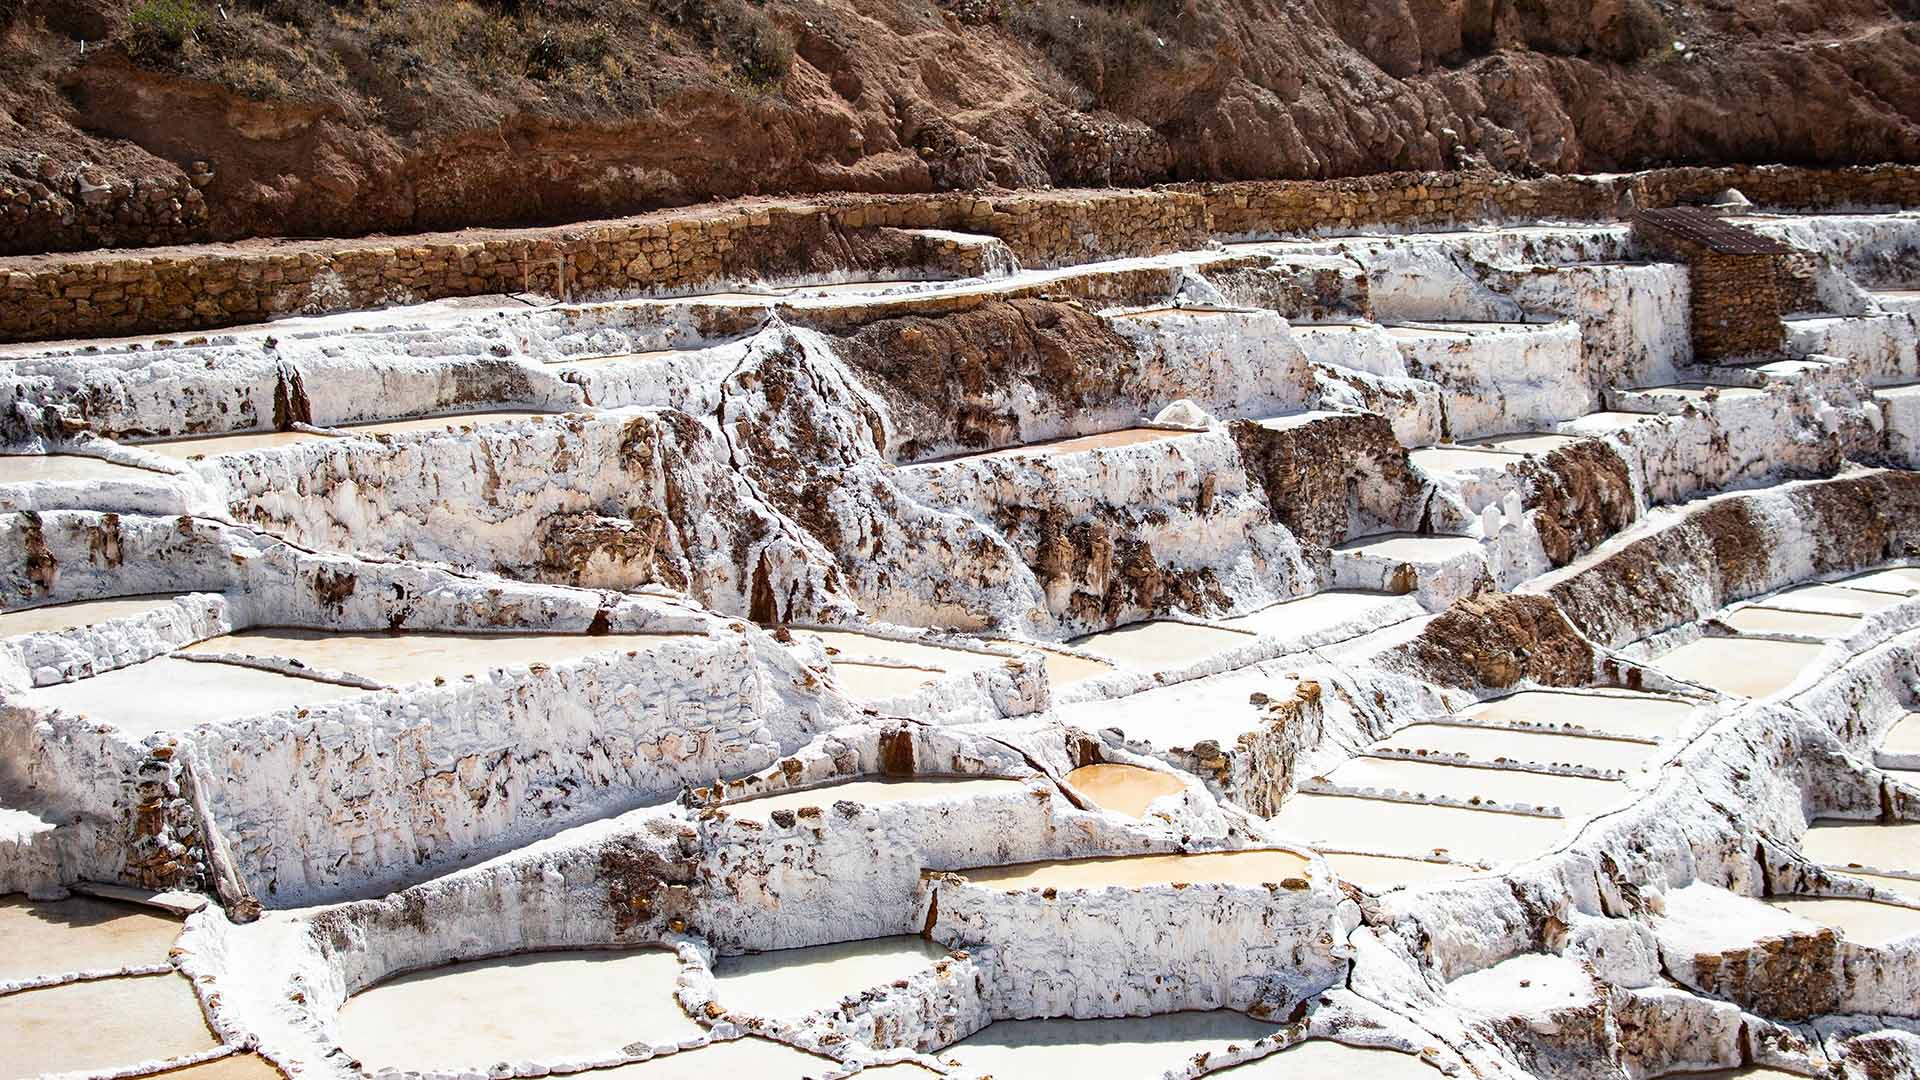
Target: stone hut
[[1736, 277]]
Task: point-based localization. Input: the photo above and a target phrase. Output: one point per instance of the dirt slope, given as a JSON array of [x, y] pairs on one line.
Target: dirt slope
[[146, 121]]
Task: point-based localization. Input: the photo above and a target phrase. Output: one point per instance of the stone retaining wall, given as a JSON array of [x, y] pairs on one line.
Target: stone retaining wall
[[166, 290]]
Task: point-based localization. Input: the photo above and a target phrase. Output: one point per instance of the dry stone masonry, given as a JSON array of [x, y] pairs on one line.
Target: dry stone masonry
[[1414, 627]]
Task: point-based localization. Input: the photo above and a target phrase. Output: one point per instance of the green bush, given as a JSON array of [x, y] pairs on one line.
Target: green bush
[[158, 29]]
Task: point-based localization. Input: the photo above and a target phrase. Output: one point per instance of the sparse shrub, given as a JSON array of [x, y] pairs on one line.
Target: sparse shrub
[[1106, 49], [158, 29], [758, 49], [1643, 31]]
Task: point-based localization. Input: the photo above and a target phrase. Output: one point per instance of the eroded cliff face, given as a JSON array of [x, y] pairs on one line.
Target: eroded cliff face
[[295, 118]]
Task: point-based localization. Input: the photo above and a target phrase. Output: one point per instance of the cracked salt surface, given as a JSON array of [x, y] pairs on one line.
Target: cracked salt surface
[[1531, 983], [56, 617], [1100, 1049], [197, 693], [52, 937], [101, 1025], [575, 1005], [791, 982]]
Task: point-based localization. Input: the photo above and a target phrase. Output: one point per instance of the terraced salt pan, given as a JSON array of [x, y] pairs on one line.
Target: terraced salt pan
[[1528, 983], [555, 1006], [1493, 744], [1529, 442], [1124, 789], [442, 423], [1065, 669], [1407, 547], [1106, 440], [1453, 459], [29, 468], [1157, 644], [851, 645], [1699, 391], [1099, 1049], [397, 659], [1378, 873], [58, 937], [101, 1025], [748, 1057], [875, 793], [1862, 922], [1187, 713], [648, 357], [1324, 1059], [877, 682], [194, 693], [1295, 619], [1764, 620], [1135, 871], [1904, 736], [1385, 827], [1576, 796], [1833, 600], [1749, 667], [231, 1067], [1909, 888], [1900, 579], [1631, 715], [1832, 842], [216, 445], [56, 617], [792, 982]]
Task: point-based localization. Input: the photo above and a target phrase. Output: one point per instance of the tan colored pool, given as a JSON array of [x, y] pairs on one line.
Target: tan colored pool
[[57, 937], [1378, 873], [1133, 871], [1517, 744], [231, 1067], [1161, 643], [877, 682], [442, 423], [196, 693], [1833, 600], [1576, 796], [30, 468], [215, 445], [1124, 789], [737, 1059], [793, 982], [1750, 667], [1637, 716], [1904, 736], [102, 1025], [1100, 1049], [1832, 842], [1862, 922], [876, 793], [1762, 620], [573, 1005], [55, 617], [397, 659], [1384, 827]]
